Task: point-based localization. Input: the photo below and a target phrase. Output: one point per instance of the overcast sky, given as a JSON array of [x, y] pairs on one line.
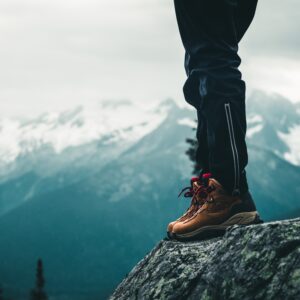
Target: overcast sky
[[60, 53]]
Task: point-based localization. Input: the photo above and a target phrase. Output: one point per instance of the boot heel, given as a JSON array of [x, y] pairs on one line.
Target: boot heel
[[244, 218]]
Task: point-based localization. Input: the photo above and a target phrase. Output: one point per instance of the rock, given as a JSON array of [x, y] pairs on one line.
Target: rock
[[252, 262]]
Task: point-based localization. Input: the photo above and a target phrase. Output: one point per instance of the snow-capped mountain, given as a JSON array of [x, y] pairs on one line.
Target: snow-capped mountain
[[107, 123], [59, 148], [274, 124]]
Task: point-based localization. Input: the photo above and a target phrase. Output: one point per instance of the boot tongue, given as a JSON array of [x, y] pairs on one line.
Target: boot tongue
[[214, 182], [203, 181], [205, 178], [196, 186], [216, 187]]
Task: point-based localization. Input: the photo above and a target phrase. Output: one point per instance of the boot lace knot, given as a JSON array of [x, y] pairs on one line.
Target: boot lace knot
[[203, 190]]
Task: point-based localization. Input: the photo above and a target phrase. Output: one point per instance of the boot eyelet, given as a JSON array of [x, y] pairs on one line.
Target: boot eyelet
[[210, 200]]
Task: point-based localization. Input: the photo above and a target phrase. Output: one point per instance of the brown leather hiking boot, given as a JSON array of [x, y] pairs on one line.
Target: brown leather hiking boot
[[219, 211], [194, 191]]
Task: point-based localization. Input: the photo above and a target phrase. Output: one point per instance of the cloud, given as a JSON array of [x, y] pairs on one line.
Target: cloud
[[62, 53], [275, 29]]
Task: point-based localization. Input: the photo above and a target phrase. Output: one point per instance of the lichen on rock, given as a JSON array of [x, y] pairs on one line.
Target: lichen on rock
[[252, 262]]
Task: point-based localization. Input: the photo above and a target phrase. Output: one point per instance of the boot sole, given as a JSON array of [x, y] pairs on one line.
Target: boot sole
[[245, 218]]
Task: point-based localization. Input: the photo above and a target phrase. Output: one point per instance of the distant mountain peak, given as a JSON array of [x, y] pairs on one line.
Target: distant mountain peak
[[166, 106], [274, 123]]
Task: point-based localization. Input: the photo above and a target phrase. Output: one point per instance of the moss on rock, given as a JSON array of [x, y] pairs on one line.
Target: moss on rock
[[253, 262]]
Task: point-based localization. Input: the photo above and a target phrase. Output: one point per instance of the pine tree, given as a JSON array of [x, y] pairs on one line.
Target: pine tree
[[1, 293], [38, 292]]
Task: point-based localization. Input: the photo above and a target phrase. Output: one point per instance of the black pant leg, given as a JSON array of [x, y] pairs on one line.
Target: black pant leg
[[214, 86], [210, 41], [202, 153]]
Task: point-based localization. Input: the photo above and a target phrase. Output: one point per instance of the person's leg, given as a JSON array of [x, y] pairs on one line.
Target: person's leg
[[202, 153], [214, 86]]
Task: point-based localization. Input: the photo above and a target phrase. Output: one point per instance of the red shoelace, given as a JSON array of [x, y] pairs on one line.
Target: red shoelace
[[203, 190]]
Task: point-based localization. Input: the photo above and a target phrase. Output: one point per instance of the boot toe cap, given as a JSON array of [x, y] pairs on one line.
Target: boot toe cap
[[179, 228], [170, 226]]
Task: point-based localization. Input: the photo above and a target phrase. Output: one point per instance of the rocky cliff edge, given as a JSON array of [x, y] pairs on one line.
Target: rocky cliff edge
[[253, 262]]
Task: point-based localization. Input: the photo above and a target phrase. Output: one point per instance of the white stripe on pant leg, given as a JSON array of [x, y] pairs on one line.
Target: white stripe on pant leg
[[235, 147], [232, 143]]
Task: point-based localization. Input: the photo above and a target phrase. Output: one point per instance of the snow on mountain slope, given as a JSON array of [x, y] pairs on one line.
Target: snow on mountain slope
[[292, 139], [274, 124], [255, 124], [114, 122]]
